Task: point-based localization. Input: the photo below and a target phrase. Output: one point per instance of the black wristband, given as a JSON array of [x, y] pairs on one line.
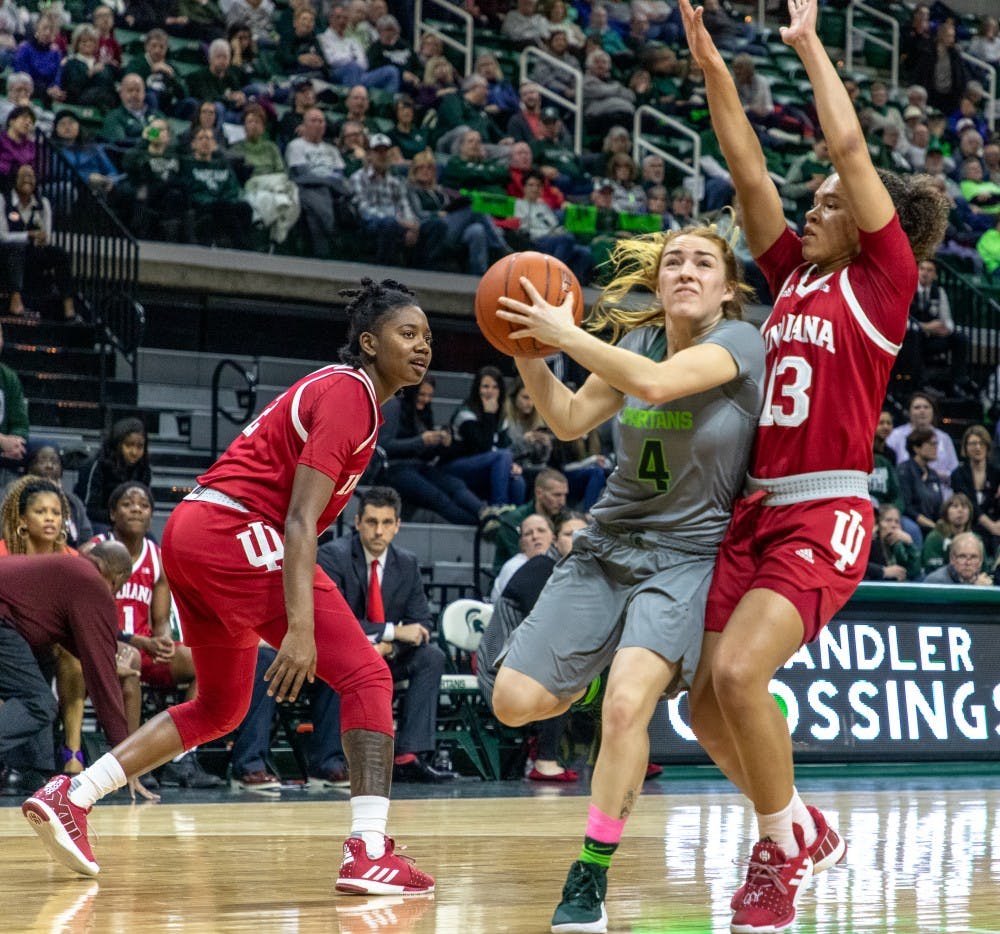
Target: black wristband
[[125, 637]]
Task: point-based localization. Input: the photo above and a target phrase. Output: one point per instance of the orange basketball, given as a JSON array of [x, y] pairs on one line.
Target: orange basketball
[[553, 279]]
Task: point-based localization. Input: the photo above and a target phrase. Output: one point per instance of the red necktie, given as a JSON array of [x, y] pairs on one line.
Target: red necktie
[[376, 612]]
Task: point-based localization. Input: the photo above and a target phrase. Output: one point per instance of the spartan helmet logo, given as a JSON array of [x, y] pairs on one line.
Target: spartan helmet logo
[[474, 620]]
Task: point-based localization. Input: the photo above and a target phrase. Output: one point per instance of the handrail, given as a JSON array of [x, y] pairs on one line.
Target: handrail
[[991, 90], [456, 11], [575, 105], [641, 144], [874, 38], [249, 404]]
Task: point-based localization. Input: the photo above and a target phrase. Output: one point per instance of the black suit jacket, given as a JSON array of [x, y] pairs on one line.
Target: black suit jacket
[[402, 586]]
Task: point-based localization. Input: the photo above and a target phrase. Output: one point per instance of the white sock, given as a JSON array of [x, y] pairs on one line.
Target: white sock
[[92, 784], [778, 827], [802, 817], [369, 815]]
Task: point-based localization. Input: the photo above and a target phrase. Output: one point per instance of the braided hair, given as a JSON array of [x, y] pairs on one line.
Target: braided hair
[[18, 499], [369, 305]]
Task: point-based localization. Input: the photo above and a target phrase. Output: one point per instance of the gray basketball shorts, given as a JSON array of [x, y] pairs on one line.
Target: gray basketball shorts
[[605, 595]]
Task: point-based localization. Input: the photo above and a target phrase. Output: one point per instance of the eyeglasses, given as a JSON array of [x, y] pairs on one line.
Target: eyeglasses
[[970, 557]]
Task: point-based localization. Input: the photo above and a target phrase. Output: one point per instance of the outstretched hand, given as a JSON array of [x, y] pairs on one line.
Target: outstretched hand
[[546, 323], [699, 40], [803, 14]]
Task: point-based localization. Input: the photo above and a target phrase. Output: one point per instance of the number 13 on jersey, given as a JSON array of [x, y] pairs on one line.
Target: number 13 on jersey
[[796, 374]]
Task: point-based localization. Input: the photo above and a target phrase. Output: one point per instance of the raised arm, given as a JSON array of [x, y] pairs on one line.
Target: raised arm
[[737, 138], [870, 202]]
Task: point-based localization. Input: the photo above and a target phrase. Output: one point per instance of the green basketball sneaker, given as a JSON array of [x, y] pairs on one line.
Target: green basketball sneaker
[[582, 905]]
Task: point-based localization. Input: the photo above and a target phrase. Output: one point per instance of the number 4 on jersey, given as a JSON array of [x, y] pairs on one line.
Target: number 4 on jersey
[[653, 465]]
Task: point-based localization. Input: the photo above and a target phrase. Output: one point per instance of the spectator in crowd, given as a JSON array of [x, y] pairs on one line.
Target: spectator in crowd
[[985, 44], [529, 435], [89, 160], [221, 214], [254, 72], [413, 445], [916, 43], [892, 555], [539, 222], [34, 515], [144, 606], [299, 53], [965, 563], [387, 217], [551, 76], [408, 137], [258, 16], [921, 411], [160, 207], [602, 35], [219, 81], [17, 145], [201, 20], [160, 77], [38, 57], [555, 158], [606, 102], [459, 113], [502, 101], [20, 87], [754, 91], [881, 112], [383, 587], [123, 126], [14, 424], [956, 517], [988, 248], [653, 171], [480, 454], [32, 259], [883, 483], [303, 99], [940, 69], [390, 50], [51, 600], [352, 144], [617, 139], [557, 15], [805, 174], [86, 80], [272, 196], [470, 168], [123, 457], [918, 481], [521, 162], [207, 115], [440, 79], [464, 231], [524, 24], [536, 536], [551, 490], [991, 161], [526, 123], [46, 462], [628, 196], [932, 333], [346, 59], [983, 196], [882, 431]]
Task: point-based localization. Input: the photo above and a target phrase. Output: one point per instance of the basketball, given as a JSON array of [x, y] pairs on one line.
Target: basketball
[[553, 279]]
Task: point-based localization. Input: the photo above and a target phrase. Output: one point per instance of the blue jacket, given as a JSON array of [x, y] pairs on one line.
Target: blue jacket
[[42, 64]]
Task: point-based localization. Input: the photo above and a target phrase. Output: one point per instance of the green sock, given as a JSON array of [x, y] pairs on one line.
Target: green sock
[[596, 852]]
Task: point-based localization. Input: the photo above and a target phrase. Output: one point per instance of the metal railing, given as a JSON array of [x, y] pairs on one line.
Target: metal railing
[[866, 35], [977, 315], [104, 257], [989, 72], [574, 105], [453, 10], [245, 397], [641, 145]]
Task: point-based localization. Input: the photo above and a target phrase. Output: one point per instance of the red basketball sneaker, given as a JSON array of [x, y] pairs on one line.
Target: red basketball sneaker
[[827, 850], [388, 875], [774, 884], [61, 825]]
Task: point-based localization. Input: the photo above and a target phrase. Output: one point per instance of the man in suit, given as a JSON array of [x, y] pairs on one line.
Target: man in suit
[[382, 585], [397, 620]]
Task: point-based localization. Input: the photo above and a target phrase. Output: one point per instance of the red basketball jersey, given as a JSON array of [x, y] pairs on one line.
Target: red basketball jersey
[[831, 342], [135, 599], [328, 420]]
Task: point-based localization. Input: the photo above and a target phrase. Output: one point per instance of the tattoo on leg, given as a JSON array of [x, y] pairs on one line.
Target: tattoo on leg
[[627, 805], [369, 758]]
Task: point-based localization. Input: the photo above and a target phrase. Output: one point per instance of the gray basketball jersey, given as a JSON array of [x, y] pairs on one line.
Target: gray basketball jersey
[[681, 464]]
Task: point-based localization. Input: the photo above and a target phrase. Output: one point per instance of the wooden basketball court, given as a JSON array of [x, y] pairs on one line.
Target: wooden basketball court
[[921, 860]]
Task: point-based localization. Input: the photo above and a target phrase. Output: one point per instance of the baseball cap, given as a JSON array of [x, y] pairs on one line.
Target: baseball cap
[[379, 140], [912, 111], [965, 124], [550, 114]]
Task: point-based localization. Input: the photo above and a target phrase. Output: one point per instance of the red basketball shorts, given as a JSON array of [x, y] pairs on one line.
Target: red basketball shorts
[[156, 674], [812, 553]]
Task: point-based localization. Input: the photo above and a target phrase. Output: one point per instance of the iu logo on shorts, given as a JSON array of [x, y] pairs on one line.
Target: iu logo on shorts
[[262, 546], [848, 536]]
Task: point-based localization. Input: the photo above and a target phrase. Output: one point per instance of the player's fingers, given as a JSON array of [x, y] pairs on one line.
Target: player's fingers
[[532, 292], [512, 304], [296, 685]]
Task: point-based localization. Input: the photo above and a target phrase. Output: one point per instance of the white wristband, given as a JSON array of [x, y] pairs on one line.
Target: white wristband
[[389, 633]]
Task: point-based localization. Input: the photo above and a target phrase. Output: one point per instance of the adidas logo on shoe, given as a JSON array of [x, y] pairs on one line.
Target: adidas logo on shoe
[[806, 554]]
